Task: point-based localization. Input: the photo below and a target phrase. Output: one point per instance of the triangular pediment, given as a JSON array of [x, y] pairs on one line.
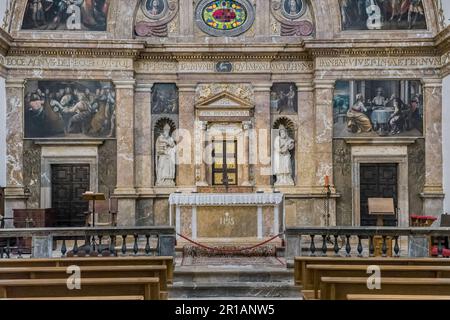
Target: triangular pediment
[[224, 100]]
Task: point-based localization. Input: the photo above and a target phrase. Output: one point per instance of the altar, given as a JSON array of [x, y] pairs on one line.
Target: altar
[[227, 216]]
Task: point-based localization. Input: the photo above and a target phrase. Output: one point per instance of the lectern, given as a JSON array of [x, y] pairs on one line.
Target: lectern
[[381, 207], [91, 196]]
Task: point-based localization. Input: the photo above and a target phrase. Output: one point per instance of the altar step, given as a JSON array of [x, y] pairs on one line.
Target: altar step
[[233, 283]]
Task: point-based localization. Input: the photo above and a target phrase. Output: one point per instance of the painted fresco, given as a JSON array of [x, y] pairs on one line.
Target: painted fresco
[[69, 109], [378, 108], [165, 98], [382, 14], [284, 98], [81, 15]]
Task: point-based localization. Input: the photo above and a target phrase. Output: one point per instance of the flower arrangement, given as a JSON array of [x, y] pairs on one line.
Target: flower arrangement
[[422, 221]]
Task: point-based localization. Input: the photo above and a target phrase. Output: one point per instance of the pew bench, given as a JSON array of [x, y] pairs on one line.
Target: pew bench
[[304, 277], [93, 298], [89, 261], [388, 271], [337, 288], [397, 297], [91, 272], [47, 288]]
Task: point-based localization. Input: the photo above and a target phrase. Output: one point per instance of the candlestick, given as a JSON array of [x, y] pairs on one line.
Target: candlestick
[[327, 181]]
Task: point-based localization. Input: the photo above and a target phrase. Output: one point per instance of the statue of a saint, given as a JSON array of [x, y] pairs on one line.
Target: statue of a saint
[[165, 159], [282, 158]]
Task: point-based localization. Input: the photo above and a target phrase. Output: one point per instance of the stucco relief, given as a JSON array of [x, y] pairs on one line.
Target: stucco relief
[[154, 16]]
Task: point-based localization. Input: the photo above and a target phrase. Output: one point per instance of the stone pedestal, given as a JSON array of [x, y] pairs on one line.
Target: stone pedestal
[[418, 246]]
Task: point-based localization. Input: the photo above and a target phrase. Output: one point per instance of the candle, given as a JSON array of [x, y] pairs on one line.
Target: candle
[[327, 181]]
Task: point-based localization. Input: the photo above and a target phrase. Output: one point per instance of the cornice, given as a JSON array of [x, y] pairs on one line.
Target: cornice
[[5, 42], [443, 40]]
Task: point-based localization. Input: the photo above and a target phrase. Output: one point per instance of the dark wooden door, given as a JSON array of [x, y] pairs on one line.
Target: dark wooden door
[[69, 182], [378, 181]]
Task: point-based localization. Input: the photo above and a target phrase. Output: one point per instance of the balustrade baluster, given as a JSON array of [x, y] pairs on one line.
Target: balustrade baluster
[[440, 247], [112, 246], [384, 247], [348, 248], [75, 247], [371, 247], [87, 246], [124, 244], [8, 249], [336, 245], [396, 247], [99, 248], [63, 248], [1, 253], [147, 245], [360, 247], [312, 247], [136, 246], [324, 245]]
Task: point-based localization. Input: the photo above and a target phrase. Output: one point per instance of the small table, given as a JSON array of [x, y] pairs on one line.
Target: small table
[[91, 196]]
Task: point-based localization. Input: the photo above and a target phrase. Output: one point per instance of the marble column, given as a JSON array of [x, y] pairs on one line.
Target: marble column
[[186, 146], [305, 160], [433, 193], [323, 137], [262, 140], [245, 166], [201, 154], [125, 190], [143, 137], [14, 193]]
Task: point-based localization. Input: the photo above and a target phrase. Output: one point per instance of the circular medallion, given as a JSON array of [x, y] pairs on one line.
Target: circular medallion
[[154, 9], [293, 9], [225, 17]]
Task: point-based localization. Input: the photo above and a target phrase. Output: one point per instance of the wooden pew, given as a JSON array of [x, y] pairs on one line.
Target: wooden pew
[[91, 272], [95, 298], [94, 261], [47, 288], [389, 271], [303, 276], [337, 288], [384, 297]]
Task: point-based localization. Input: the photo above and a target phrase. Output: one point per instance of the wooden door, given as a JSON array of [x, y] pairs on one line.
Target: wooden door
[[378, 181], [69, 182]]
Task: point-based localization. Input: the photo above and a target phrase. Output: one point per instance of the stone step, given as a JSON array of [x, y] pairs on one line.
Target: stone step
[[230, 275], [257, 290]]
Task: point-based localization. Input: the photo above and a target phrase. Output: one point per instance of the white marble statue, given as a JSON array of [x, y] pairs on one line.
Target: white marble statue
[[282, 158], [165, 159]]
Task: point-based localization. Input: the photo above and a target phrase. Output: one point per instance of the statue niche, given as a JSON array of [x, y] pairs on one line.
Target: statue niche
[[165, 153], [283, 153]]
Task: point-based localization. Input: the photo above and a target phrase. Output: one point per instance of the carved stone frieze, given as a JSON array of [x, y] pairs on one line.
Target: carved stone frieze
[[207, 91]]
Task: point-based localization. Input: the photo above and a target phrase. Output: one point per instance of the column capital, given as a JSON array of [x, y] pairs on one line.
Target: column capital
[[262, 87], [144, 87], [304, 86], [432, 83], [124, 84], [186, 87], [14, 83], [324, 83], [247, 125]]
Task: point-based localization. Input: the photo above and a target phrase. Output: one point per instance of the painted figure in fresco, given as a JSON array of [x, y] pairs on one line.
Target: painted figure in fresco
[[55, 14], [165, 100], [165, 158], [290, 96], [415, 119], [292, 7], [397, 119], [396, 9], [282, 158], [357, 120], [275, 102], [155, 7], [416, 9], [379, 101]]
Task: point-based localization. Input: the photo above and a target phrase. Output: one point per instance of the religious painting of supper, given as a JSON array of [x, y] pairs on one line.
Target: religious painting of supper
[[81, 15], [69, 109], [378, 108], [382, 14]]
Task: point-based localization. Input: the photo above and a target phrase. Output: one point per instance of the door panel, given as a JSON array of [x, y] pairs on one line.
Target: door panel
[[378, 181], [69, 182]]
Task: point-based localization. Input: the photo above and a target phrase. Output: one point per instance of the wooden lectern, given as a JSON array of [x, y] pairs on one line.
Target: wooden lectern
[[381, 207], [91, 196]]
